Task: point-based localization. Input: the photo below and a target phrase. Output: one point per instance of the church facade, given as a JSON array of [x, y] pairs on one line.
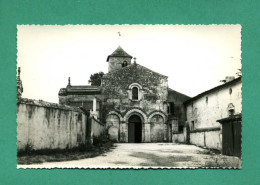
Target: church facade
[[134, 102]]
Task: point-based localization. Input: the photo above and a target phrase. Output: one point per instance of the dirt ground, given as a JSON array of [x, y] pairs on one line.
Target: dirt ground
[[146, 155]]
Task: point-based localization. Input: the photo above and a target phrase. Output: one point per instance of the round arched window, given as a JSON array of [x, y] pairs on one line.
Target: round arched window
[[135, 93], [124, 64]]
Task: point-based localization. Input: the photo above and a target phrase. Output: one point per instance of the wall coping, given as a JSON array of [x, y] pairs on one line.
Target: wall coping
[[41, 103], [205, 129], [99, 122]]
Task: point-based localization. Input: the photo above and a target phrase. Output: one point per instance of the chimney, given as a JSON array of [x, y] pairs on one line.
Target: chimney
[[69, 82]]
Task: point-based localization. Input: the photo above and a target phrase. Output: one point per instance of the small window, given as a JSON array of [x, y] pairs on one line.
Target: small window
[[171, 108], [124, 64], [207, 100], [231, 112], [135, 93], [192, 125], [180, 128], [231, 109], [230, 91]]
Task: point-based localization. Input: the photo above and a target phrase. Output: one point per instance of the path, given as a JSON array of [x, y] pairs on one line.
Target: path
[[149, 155]]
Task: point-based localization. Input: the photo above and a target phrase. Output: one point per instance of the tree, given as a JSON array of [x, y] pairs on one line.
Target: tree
[[95, 79]]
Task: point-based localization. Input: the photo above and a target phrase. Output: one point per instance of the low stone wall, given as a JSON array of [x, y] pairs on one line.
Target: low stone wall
[[43, 125], [97, 127], [178, 138], [210, 138]]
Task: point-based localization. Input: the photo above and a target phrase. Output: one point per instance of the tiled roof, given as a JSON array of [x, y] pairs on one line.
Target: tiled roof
[[214, 89], [119, 52], [82, 89], [171, 90]]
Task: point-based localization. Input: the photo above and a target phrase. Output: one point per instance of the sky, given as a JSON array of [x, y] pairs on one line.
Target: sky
[[194, 57]]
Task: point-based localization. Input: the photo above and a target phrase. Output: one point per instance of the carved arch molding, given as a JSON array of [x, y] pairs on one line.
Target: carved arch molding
[[157, 113], [136, 112]]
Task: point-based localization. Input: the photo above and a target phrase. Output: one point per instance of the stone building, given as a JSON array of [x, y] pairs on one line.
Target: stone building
[[204, 110], [133, 101]]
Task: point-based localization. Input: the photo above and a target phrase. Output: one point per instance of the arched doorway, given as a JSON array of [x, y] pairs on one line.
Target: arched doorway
[[134, 129]]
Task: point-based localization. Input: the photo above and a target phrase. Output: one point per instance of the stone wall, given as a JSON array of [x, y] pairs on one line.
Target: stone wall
[[178, 138], [119, 105], [97, 127], [209, 139], [85, 101], [43, 125], [153, 91], [178, 117], [115, 63]]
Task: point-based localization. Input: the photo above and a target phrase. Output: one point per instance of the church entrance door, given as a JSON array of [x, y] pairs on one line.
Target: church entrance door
[[134, 129]]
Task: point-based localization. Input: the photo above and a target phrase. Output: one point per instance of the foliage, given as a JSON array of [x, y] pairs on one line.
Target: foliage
[[102, 140], [95, 79]]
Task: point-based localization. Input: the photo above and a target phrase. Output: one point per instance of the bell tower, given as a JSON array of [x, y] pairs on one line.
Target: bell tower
[[118, 59]]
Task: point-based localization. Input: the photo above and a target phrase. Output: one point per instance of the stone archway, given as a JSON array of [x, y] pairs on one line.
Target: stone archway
[[113, 121], [145, 127], [158, 126]]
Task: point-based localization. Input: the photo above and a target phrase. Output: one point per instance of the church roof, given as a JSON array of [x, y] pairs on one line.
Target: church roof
[[119, 52], [138, 66]]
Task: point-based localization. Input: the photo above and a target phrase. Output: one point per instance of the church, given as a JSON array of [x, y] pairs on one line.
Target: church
[[135, 103]]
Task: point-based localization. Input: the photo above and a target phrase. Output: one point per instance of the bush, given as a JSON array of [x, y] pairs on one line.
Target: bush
[[27, 151], [102, 140]]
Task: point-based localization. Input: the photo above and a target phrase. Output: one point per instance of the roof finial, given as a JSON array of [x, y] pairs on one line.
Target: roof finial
[[119, 37], [134, 60], [69, 81]]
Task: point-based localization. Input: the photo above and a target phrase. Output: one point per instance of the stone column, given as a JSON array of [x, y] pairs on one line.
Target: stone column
[[185, 133], [147, 134], [94, 105], [94, 111], [123, 132]]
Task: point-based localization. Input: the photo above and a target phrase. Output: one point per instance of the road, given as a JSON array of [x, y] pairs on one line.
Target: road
[[149, 155]]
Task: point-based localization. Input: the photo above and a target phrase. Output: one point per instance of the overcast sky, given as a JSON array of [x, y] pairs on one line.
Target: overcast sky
[[194, 57]]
